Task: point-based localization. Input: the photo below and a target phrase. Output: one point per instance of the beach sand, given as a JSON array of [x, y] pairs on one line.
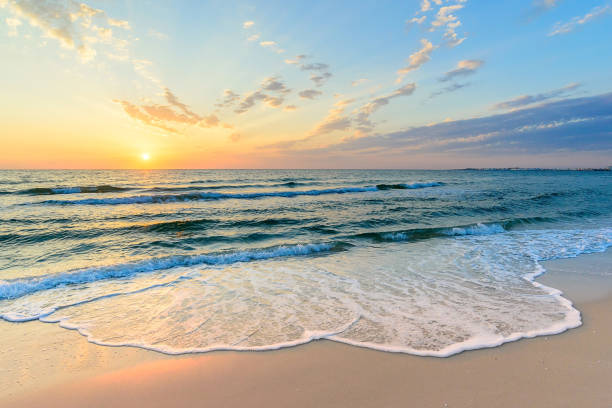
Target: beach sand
[[44, 365]]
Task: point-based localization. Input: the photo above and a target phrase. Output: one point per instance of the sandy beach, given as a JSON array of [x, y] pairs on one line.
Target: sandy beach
[[44, 365]]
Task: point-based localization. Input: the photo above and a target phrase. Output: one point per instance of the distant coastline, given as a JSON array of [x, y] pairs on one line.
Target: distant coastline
[[609, 168]]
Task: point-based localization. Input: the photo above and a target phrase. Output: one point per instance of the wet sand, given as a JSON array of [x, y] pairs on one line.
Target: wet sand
[[44, 365]]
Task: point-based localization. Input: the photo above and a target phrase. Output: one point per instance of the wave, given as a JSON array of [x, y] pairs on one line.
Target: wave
[[486, 228], [407, 186], [427, 233], [15, 288], [169, 198], [71, 190], [227, 187]]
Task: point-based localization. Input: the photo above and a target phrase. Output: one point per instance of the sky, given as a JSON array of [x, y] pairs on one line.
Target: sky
[[305, 84]]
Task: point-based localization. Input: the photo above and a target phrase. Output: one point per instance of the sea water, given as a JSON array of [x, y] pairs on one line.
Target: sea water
[[422, 262]]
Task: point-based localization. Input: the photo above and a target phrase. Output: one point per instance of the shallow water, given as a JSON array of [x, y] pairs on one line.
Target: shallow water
[[424, 262]]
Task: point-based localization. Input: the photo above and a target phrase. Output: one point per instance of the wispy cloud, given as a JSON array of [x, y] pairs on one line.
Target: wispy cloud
[[156, 34], [309, 94], [335, 120], [13, 23], [166, 116], [416, 21], [464, 68], [297, 60], [540, 6], [248, 24], [524, 100], [418, 58], [268, 44], [426, 5], [271, 92], [449, 89], [319, 72], [580, 124], [446, 18], [119, 23], [74, 25], [362, 118], [564, 28], [229, 98]]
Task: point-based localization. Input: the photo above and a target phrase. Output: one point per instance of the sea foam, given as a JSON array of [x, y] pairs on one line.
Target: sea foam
[[10, 289]]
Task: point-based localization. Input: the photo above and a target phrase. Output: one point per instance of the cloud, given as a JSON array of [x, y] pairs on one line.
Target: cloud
[[75, 26], [253, 37], [248, 24], [267, 44], [525, 100], [418, 58], [540, 6], [416, 20], [135, 112], [156, 34], [290, 108], [165, 116], [426, 5], [174, 101], [334, 121], [548, 3], [13, 23], [319, 72], [274, 84], [317, 66], [331, 124], [445, 18], [448, 89], [297, 60], [234, 137], [119, 23], [464, 68], [229, 98], [363, 115], [564, 28], [359, 81], [581, 124], [320, 79], [309, 94], [271, 92]]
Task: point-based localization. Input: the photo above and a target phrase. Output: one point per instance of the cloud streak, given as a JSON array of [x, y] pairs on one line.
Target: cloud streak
[[580, 124], [464, 68], [564, 28], [363, 115], [418, 58], [524, 100]]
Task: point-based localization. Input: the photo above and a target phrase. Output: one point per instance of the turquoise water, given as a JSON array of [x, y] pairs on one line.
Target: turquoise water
[[424, 262]]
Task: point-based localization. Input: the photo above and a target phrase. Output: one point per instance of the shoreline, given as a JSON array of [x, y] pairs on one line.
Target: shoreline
[[572, 368]]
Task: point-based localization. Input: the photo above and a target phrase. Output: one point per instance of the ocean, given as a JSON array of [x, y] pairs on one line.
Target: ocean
[[180, 261]]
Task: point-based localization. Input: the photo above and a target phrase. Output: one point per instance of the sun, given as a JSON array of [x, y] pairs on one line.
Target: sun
[[145, 156]]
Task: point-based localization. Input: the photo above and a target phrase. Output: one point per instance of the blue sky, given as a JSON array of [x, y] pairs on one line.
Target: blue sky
[[306, 84]]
